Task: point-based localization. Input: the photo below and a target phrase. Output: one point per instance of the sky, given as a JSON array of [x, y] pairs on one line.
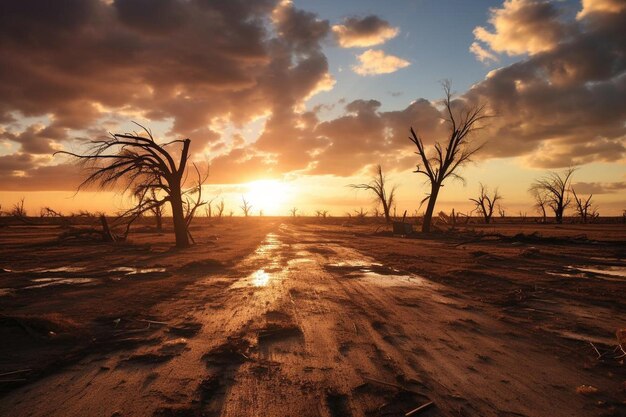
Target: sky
[[288, 102]]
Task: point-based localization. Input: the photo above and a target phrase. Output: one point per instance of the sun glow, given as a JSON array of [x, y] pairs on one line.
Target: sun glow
[[270, 196]]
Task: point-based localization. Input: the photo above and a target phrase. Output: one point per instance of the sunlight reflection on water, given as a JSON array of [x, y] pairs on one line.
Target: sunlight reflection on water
[[260, 278]]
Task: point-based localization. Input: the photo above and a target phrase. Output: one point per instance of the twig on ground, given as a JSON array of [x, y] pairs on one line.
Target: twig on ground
[[419, 409], [153, 322], [389, 384], [15, 372], [596, 349]]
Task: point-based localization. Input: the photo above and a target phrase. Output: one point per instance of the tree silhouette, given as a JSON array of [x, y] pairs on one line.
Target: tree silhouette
[[485, 203], [18, 209], [584, 208], [361, 213], [220, 208], [552, 189], [443, 163], [321, 213], [540, 203], [245, 207], [145, 166], [150, 199], [379, 187]]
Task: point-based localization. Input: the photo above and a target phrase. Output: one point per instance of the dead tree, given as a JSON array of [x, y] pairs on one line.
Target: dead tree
[[49, 212], [192, 204], [149, 198], [443, 163], [246, 207], [485, 203], [220, 208], [148, 201], [143, 165], [294, 212], [18, 210], [361, 213], [540, 203], [553, 190], [584, 208], [379, 187], [157, 212], [208, 209], [501, 212], [321, 213]]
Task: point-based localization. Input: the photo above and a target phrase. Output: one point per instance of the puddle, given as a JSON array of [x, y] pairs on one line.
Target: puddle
[[296, 261], [48, 282], [260, 278], [608, 273], [128, 270], [270, 244], [614, 271], [354, 263], [583, 337], [391, 279], [68, 269], [269, 255]]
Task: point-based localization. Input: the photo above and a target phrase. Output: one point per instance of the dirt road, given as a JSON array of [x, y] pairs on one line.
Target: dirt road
[[306, 326]]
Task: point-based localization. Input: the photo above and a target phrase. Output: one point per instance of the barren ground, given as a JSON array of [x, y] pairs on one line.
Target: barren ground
[[269, 317]]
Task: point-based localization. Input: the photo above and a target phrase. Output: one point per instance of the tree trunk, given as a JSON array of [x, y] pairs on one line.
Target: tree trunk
[[428, 216], [180, 226], [559, 215], [487, 219], [106, 232], [159, 221], [386, 210]]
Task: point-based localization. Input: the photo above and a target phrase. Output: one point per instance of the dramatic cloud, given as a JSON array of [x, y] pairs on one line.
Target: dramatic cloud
[[83, 63], [373, 62], [602, 6], [563, 105], [520, 27], [482, 54], [599, 187], [366, 135], [210, 69], [363, 32]]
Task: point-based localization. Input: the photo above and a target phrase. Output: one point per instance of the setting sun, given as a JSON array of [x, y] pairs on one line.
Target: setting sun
[[268, 195]]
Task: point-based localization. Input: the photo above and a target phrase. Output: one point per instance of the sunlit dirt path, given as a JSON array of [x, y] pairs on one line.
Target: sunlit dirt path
[[307, 327]]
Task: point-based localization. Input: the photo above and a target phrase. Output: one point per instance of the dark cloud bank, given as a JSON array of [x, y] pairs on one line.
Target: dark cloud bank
[[191, 61]]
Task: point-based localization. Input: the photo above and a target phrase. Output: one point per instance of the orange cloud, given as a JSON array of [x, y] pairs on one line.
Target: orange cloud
[[363, 32], [521, 27], [374, 62], [600, 6], [482, 54], [553, 107]]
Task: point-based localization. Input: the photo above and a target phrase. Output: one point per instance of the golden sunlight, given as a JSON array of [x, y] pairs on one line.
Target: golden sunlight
[[268, 195]]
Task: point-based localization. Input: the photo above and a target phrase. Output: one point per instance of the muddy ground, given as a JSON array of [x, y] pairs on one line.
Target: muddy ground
[[271, 317]]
